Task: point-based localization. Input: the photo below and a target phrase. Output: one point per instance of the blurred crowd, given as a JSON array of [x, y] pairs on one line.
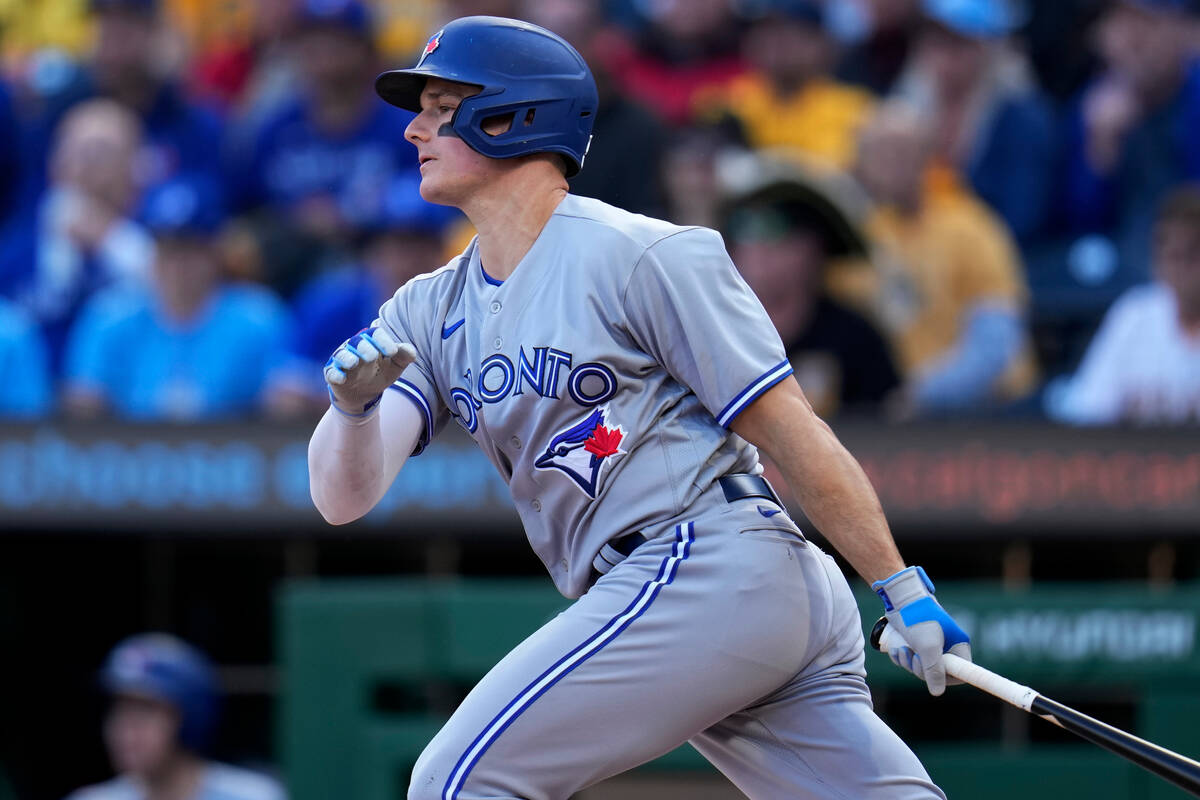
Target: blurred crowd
[[948, 207]]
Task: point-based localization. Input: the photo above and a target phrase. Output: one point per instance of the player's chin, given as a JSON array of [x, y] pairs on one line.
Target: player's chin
[[435, 190]]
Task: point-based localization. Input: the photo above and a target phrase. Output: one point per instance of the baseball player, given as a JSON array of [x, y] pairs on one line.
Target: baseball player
[[619, 374], [159, 723]]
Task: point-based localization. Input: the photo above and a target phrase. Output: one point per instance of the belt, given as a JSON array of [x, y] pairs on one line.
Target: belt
[[735, 487]]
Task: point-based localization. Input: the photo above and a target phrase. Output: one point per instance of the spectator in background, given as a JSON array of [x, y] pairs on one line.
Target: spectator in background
[[252, 71], [782, 235], [949, 286], [321, 164], [1143, 366], [788, 99], [687, 48], [81, 235], [126, 64], [689, 175], [162, 712], [188, 346], [1132, 133], [880, 43], [406, 239], [624, 158], [993, 125], [28, 395]]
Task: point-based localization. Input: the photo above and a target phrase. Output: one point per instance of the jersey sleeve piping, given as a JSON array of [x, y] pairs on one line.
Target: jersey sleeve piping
[[752, 392], [414, 394]]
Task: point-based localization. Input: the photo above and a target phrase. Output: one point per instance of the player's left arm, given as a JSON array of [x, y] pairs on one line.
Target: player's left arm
[[838, 498]]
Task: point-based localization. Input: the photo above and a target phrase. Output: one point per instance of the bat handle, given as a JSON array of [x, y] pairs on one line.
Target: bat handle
[[883, 639]]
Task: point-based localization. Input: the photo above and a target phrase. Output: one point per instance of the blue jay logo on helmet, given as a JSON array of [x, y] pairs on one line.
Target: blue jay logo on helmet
[[582, 450], [430, 46]]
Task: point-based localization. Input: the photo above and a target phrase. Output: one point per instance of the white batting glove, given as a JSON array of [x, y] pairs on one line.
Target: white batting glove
[[361, 370], [926, 630]]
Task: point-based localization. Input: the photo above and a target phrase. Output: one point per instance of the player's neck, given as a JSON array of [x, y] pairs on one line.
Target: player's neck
[[511, 215]]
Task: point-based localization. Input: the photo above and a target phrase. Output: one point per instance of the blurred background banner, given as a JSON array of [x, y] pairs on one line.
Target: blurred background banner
[[954, 480]]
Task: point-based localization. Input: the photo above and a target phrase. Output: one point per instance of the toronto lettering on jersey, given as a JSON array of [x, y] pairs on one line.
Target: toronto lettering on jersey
[[540, 371]]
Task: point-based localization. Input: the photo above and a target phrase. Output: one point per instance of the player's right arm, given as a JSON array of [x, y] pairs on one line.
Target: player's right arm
[[368, 432]]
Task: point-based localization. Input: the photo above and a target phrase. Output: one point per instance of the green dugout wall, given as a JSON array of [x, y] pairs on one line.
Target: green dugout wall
[[370, 668]]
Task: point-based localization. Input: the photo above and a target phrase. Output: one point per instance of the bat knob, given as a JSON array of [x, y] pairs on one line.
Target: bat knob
[[877, 632]]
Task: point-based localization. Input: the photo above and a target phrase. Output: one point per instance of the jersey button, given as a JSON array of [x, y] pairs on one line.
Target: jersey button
[[537, 505], [498, 343], [495, 306], [516, 442]]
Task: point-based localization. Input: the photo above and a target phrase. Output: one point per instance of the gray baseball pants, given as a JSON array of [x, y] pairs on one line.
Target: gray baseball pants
[[729, 631]]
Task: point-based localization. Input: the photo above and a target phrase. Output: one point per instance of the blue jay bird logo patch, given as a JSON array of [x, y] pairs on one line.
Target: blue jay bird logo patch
[[580, 451], [430, 46]]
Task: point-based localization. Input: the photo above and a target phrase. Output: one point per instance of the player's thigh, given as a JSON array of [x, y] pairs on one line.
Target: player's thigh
[[655, 652], [818, 736]]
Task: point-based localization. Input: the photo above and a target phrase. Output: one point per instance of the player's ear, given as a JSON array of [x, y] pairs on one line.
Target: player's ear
[[501, 123]]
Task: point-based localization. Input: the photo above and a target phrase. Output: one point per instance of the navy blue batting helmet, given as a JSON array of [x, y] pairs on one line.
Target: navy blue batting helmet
[[165, 668], [522, 70]]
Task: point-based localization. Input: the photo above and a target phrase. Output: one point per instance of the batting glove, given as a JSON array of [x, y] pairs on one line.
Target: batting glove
[[361, 370], [926, 630]]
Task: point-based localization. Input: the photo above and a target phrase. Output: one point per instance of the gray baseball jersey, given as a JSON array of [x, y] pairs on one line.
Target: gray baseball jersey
[[600, 378]]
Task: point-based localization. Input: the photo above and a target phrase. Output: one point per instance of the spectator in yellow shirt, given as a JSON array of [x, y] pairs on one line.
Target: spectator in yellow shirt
[[950, 288], [788, 99]]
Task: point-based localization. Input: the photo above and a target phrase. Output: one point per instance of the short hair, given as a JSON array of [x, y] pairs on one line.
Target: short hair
[[1182, 204]]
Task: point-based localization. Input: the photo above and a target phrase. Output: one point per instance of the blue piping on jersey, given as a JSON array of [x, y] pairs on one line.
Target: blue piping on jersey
[[414, 394], [751, 393], [489, 278], [685, 534]]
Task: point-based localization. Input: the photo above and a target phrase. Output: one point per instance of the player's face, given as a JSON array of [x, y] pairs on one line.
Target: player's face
[[451, 172], [140, 734]]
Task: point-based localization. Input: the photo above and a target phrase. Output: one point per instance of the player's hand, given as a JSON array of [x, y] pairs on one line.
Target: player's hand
[[926, 630], [364, 366]]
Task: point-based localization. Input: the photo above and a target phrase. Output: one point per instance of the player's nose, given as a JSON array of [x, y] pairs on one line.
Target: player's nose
[[418, 129]]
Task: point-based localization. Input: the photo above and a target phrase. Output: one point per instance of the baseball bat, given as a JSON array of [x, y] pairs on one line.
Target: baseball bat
[[1179, 770]]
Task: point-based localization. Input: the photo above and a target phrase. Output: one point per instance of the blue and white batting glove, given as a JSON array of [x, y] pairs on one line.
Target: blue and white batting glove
[[361, 370], [926, 630]]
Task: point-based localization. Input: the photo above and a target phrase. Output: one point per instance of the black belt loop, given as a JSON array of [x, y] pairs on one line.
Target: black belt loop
[[741, 486]]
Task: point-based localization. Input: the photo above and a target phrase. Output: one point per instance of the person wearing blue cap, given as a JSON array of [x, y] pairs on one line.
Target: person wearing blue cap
[[176, 349], [159, 726], [1132, 132], [307, 170], [994, 127]]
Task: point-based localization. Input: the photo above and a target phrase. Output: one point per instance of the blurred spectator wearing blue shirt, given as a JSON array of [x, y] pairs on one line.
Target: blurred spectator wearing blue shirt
[[80, 237], [1134, 132], [125, 65], [405, 239], [993, 124], [189, 346], [28, 396], [318, 167]]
